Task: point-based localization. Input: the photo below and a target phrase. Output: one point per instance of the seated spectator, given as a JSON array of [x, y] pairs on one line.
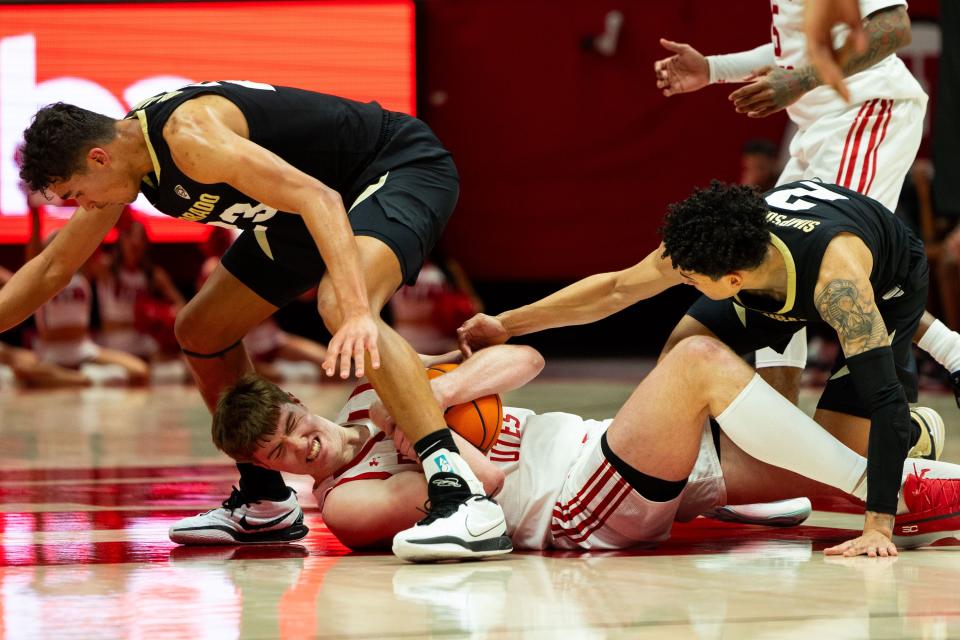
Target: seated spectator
[[138, 301], [63, 328], [759, 164], [428, 313]]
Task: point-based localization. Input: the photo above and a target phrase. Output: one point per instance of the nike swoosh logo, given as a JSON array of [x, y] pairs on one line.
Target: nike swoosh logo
[[253, 527]]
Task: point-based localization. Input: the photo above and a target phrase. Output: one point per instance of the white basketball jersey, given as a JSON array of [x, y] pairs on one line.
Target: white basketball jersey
[[889, 78], [69, 308], [378, 458], [117, 295]]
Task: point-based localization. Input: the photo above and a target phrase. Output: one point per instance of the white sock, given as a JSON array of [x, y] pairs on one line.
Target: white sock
[[450, 462], [943, 345], [768, 427]]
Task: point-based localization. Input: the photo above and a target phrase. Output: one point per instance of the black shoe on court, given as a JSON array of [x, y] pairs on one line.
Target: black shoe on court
[[242, 521], [460, 525]]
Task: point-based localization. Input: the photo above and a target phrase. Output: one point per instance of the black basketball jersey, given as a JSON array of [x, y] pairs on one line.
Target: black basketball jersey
[[803, 218], [330, 138]]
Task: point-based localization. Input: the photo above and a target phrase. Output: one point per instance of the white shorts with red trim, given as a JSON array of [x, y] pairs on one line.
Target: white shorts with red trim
[[597, 509], [868, 147]]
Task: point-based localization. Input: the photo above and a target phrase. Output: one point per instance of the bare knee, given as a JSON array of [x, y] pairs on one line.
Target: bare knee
[[704, 360], [193, 334]]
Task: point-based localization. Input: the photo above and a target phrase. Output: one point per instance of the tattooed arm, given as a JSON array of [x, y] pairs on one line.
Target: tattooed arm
[[888, 30], [846, 300]]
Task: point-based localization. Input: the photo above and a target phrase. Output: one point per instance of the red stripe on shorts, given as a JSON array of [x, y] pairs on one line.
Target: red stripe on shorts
[[598, 516], [846, 143], [883, 134], [871, 146], [851, 165], [583, 497]]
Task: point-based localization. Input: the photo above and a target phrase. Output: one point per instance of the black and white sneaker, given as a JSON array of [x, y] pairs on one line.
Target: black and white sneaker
[[242, 521], [460, 525]]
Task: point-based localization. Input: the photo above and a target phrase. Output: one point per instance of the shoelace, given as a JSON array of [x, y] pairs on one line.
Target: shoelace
[[235, 501], [933, 492], [448, 507]]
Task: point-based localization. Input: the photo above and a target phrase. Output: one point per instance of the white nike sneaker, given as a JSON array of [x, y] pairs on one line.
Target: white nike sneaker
[[783, 513], [237, 521], [932, 434], [459, 525]]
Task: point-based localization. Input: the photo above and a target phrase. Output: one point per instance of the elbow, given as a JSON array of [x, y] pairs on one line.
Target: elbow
[[55, 275], [534, 361]]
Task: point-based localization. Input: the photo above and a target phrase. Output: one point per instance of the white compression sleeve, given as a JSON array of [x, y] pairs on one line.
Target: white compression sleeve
[[768, 427], [737, 67]]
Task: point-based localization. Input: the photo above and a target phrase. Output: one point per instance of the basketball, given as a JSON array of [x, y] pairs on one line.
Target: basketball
[[478, 421]]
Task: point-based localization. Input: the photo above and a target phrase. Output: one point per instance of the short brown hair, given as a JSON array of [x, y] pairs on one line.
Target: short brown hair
[[246, 416]]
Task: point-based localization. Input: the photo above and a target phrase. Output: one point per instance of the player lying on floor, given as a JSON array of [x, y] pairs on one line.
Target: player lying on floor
[[566, 482]]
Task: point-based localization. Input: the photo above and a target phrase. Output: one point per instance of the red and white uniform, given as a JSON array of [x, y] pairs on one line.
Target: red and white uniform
[[68, 309], [867, 145], [117, 294], [559, 491]]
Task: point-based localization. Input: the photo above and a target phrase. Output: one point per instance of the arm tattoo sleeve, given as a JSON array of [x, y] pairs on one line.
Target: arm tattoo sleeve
[[853, 315], [887, 30]]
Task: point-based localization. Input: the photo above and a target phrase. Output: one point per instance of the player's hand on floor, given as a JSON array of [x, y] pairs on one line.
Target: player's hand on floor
[[352, 341], [480, 331], [772, 90], [871, 543], [819, 18], [685, 71]]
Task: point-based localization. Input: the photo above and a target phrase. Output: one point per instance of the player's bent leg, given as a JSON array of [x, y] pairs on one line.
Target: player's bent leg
[[686, 328], [264, 509], [461, 522]]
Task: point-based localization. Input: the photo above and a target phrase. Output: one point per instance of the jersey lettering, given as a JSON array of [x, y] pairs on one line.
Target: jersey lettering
[[793, 199], [254, 213]]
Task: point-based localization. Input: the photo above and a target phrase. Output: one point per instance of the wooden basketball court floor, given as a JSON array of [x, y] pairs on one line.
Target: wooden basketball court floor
[[90, 481]]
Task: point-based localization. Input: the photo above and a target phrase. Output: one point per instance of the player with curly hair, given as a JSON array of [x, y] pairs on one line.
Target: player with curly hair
[[766, 266]]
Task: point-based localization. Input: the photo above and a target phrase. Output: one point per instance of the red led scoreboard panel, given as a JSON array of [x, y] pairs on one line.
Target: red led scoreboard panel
[[107, 57]]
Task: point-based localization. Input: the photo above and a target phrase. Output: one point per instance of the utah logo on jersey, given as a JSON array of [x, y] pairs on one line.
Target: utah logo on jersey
[[180, 191]]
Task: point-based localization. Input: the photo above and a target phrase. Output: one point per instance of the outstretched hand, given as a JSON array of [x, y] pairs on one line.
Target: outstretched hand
[[480, 331], [355, 337], [685, 71]]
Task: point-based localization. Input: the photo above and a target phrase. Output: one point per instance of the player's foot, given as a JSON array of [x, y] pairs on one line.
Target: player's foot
[[242, 521], [932, 434], [460, 525], [784, 513], [934, 511]]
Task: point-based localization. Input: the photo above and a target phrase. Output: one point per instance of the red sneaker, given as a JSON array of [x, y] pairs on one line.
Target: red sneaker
[[934, 511]]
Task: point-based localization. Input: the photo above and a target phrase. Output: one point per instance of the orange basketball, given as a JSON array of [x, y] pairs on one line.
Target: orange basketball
[[478, 421]]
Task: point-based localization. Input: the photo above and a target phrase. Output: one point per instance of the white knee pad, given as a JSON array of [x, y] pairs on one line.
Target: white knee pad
[[795, 355]]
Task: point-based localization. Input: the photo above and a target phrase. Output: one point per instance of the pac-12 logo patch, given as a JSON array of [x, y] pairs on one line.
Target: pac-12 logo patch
[[443, 464], [180, 191]]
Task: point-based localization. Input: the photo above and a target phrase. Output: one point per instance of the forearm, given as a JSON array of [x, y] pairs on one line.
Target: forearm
[[496, 369], [874, 376], [326, 219], [28, 288], [582, 302], [738, 67], [887, 31]]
